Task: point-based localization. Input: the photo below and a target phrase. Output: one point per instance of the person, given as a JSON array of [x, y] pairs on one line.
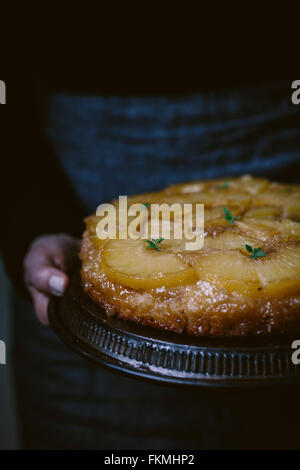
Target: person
[[80, 143]]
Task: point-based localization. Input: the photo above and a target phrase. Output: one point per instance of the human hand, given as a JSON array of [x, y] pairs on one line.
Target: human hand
[[46, 264]]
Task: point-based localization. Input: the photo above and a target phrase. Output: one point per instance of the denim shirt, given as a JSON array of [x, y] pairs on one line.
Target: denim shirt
[[110, 146]]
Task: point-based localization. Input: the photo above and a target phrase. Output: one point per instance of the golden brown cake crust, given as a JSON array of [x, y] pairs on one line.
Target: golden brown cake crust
[[206, 306]]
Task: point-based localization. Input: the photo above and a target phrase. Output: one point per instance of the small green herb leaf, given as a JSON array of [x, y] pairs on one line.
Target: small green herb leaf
[[227, 213], [146, 204], [255, 252], [259, 253], [154, 243], [228, 216]]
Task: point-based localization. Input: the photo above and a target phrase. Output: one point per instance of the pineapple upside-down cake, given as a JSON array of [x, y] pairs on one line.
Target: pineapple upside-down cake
[[244, 281]]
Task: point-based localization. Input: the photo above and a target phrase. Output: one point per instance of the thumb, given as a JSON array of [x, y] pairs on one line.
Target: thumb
[[49, 279]]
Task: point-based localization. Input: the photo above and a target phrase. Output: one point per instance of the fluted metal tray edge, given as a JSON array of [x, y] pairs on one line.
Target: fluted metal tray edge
[[149, 354]]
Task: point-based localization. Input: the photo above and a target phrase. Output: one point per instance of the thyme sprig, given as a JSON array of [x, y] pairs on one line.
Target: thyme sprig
[[228, 216], [255, 252], [154, 243]]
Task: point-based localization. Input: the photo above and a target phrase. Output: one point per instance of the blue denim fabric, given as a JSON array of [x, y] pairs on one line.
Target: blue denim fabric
[[109, 146]]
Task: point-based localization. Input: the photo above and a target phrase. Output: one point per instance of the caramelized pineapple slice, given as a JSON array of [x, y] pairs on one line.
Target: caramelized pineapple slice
[[292, 208], [281, 265], [288, 229], [236, 272], [225, 197], [216, 215], [249, 184], [170, 243], [230, 241], [214, 220], [264, 211], [130, 263], [228, 269], [211, 198], [265, 228], [275, 196]]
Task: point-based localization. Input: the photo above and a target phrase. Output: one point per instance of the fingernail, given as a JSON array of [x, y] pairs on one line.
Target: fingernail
[[56, 284]]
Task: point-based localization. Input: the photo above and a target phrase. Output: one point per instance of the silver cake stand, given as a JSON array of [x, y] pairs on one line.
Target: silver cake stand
[[150, 354]]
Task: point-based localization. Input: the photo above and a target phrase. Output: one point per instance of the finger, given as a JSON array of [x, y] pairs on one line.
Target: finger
[[40, 301], [59, 250], [47, 279]]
